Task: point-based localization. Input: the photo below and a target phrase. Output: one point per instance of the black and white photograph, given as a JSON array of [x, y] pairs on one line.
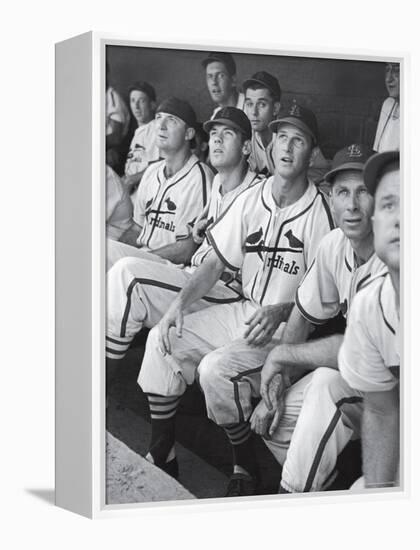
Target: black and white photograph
[[252, 274]]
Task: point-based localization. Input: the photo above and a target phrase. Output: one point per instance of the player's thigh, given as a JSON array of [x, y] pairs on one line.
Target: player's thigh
[[115, 250], [237, 362]]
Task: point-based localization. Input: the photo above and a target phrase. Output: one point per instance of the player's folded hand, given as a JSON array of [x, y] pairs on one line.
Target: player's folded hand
[[172, 318], [273, 367], [264, 421], [264, 322], [261, 419]]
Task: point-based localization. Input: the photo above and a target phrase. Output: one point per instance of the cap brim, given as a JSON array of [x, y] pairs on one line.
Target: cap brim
[[375, 165], [209, 123], [295, 122], [329, 176], [251, 81]]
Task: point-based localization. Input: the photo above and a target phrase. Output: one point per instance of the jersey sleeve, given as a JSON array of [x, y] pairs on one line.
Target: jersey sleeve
[[227, 235], [197, 196], [359, 359], [139, 215], [317, 295]]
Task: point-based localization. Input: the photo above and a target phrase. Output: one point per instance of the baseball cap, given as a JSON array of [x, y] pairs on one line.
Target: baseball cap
[[233, 117], [266, 80], [142, 86], [223, 57], [180, 108], [352, 157], [376, 166], [299, 116]]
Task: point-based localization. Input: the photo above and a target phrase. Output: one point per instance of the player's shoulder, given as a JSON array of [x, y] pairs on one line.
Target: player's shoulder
[[205, 169], [367, 299], [152, 170], [333, 242], [318, 207]]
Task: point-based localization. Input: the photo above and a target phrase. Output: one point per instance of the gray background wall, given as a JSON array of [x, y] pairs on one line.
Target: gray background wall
[[345, 95]]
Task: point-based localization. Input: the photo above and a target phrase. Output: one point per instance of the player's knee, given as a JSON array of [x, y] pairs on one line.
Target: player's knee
[[209, 371], [326, 380]]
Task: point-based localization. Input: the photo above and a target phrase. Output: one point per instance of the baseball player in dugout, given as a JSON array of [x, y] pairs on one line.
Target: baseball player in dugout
[[140, 290], [173, 191], [316, 413], [220, 70], [143, 148], [269, 235], [369, 358], [262, 105]]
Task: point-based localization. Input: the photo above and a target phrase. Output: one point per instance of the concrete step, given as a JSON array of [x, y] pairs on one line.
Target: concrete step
[[132, 479]]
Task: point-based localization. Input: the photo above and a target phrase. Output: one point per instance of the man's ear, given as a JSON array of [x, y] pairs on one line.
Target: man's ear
[[277, 107], [189, 134], [314, 153], [234, 81], [246, 147]]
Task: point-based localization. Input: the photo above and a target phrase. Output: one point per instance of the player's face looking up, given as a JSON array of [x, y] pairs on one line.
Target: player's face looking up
[[352, 204], [392, 79], [171, 132], [219, 82], [227, 146], [292, 151], [141, 106], [260, 108], [386, 218]]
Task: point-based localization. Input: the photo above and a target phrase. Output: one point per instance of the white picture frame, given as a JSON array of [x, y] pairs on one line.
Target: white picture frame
[[80, 277]]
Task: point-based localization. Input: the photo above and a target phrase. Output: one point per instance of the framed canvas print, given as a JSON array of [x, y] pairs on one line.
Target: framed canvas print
[[228, 275]]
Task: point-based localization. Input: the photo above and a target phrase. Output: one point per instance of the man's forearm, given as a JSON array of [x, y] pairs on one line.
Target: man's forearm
[[380, 441], [179, 252], [131, 235], [312, 354], [297, 329], [203, 279]]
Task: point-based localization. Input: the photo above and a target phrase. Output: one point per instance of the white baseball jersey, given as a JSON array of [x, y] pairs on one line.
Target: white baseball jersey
[[369, 357], [218, 204], [143, 149], [261, 158], [116, 110], [388, 131], [271, 246], [240, 104], [166, 208], [333, 279], [119, 208]]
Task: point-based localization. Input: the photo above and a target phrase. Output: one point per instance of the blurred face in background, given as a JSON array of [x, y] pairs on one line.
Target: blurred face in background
[[392, 79], [219, 82], [141, 106]]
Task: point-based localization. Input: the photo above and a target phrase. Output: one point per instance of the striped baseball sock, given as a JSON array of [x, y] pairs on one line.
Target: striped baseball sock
[[162, 412], [116, 347], [242, 447]]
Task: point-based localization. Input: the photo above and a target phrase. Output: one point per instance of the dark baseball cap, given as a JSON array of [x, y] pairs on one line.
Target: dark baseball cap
[[352, 157], [180, 108], [142, 86], [233, 117], [376, 166], [266, 80], [222, 57], [299, 116]]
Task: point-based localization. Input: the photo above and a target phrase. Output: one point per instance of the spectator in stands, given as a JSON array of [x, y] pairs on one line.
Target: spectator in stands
[[388, 131]]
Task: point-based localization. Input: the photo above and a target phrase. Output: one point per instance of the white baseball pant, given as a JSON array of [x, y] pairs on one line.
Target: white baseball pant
[[322, 413], [139, 292], [213, 348]]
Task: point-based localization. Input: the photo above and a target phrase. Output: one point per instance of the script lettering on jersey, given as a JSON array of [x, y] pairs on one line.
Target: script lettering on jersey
[[160, 223], [279, 262]]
